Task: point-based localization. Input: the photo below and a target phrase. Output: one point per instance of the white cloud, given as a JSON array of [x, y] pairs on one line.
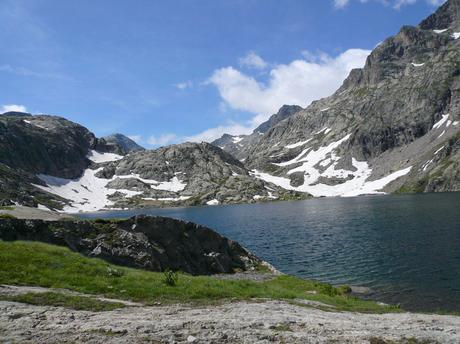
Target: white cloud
[[252, 60], [436, 2], [399, 3], [21, 71], [184, 85], [210, 135], [340, 3], [299, 82], [13, 107], [162, 140], [396, 4]]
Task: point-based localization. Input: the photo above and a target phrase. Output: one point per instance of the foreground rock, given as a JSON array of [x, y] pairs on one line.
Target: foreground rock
[[242, 322], [152, 243]]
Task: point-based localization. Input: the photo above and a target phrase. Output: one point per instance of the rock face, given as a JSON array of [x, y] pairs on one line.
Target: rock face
[[392, 126], [184, 174], [151, 243], [119, 144], [240, 146], [16, 187], [44, 144]]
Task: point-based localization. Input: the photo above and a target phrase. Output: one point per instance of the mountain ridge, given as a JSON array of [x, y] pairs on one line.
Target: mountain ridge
[[392, 126]]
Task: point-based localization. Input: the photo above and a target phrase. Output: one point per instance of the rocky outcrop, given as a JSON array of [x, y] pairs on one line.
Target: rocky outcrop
[[44, 144], [189, 174], [151, 243], [35, 145], [16, 188], [119, 144], [241, 145]]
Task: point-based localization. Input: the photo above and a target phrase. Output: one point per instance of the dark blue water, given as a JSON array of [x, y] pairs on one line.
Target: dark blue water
[[405, 248]]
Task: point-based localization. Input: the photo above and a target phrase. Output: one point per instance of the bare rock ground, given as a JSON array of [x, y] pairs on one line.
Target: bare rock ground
[[258, 321], [29, 213]]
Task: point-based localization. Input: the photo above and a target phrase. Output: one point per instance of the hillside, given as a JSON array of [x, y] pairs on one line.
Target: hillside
[[392, 126]]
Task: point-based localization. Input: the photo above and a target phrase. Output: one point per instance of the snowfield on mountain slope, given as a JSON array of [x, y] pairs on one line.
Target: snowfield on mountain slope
[[90, 193], [98, 158], [354, 183]]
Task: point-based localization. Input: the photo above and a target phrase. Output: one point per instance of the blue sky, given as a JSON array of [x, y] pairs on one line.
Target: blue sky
[[175, 70]]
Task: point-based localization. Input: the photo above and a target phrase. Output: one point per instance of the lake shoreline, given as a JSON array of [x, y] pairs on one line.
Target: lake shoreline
[[342, 253]]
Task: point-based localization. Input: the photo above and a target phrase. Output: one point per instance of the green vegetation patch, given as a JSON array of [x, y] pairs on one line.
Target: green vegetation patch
[[63, 300], [7, 216], [38, 264]]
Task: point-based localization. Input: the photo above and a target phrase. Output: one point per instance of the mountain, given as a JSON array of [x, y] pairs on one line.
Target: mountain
[[120, 144], [44, 144], [239, 145], [48, 161], [184, 174], [392, 126]]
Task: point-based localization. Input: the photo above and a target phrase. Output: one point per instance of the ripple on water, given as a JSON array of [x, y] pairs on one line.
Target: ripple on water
[[404, 247]]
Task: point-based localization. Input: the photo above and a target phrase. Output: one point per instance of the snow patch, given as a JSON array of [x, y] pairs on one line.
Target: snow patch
[[298, 144], [313, 157], [439, 123], [167, 199], [440, 31], [354, 187], [42, 207], [418, 64], [35, 125], [426, 164], [354, 183], [212, 202], [98, 158], [440, 149], [90, 193], [323, 110], [237, 139], [456, 35], [173, 185]]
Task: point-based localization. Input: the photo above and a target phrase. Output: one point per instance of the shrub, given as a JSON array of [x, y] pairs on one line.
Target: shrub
[[170, 277], [6, 216]]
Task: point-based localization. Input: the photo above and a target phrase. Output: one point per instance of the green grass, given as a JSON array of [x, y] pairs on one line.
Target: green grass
[[64, 300], [7, 216], [6, 207], [38, 264]]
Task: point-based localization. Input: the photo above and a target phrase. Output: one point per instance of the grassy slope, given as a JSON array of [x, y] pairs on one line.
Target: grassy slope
[[38, 264]]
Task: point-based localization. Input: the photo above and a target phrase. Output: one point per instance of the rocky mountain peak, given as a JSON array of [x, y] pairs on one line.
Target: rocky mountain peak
[[447, 16], [119, 144], [284, 112], [16, 113]]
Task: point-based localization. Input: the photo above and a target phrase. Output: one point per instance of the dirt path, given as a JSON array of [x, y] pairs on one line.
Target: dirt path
[[240, 322], [21, 212]]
